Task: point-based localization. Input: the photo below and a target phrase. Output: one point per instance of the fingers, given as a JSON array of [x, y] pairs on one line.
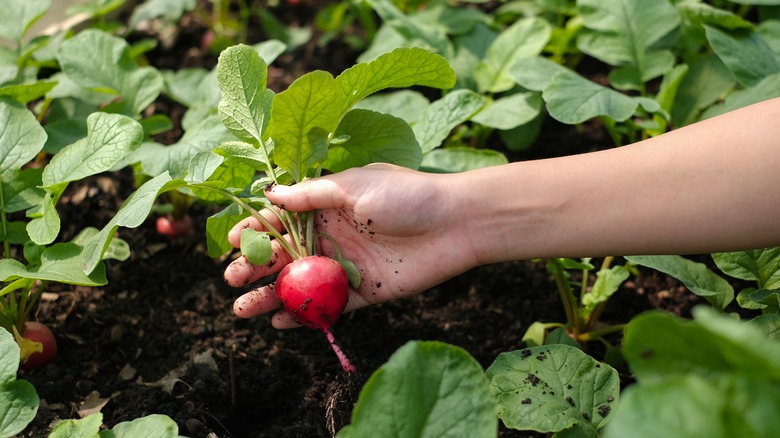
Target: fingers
[[256, 302], [241, 272], [312, 194], [261, 301], [283, 320]]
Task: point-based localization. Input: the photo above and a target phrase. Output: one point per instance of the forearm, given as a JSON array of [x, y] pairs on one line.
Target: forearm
[[713, 186]]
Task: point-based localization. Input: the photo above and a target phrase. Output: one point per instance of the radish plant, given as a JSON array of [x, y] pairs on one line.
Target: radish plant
[[268, 138], [19, 399], [583, 304]]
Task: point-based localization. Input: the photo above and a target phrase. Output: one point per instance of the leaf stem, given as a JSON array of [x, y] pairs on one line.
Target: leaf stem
[[596, 334], [4, 225], [567, 297]]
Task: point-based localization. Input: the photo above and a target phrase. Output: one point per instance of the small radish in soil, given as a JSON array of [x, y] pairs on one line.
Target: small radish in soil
[[169, 226], [37, 332], [314, 290]]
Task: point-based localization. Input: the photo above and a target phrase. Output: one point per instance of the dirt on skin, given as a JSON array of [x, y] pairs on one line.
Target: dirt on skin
[[161, 338]]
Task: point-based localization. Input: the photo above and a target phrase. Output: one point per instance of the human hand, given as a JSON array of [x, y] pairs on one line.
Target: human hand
[[398, 226]]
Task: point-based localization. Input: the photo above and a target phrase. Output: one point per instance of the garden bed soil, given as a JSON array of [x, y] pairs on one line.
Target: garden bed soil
[[161, 337]]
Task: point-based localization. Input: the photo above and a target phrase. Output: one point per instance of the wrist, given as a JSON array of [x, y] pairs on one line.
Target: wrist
[[506, 211]]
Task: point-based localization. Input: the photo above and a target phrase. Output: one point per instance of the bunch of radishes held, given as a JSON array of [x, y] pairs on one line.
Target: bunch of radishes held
[[313, 288]]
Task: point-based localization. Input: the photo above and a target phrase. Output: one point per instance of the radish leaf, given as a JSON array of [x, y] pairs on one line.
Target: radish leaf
[[18, 399], [695, 276], [255, 246], [374, 137], [552, 388], [426, 389]]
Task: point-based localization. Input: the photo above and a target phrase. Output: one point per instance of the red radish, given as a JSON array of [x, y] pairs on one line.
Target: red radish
[[38, 332], [314, 291], [173, 228]]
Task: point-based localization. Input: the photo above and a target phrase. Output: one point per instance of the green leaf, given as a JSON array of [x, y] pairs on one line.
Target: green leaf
[[408, 105], [229, 175], [110, 138], [621, 32], [353, 273], [702, 13], [183, 85], [18, 16], [400, 68], [306, 115], [155, 425], [166, 9], [21, 136], [45, 226], [755, 299], [510, 111], [426, 389], [445, 114], [202, 167], [118, 249], [693, 406], [470, 50], [757, 2], [767, 88], [26, 93], [607, 282], [15, 233], [536, 333], [18, 400], [524, 39], [218, 226], [244, 153], [156, 124], [87, 427], [108, 67], [769, 324], [573, 99], [706, 81], [414, 32], [269, 50], [460, 159], [658, 345], [61, 263], [695, 276], [241, 74], [373, 138], [256, 246], [712, 377], [761, 266], [747, 56], [303, 117], [552, 388], [21, 191], [536, 73], [132, 214], [157, 159]]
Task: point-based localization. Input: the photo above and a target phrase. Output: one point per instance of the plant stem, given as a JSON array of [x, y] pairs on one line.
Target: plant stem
[[567, 297], [597, 311], [596, 334], [255, 214], [4, 225]]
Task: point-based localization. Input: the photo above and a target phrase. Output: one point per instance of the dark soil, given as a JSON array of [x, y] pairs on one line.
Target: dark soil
[[161, 336]]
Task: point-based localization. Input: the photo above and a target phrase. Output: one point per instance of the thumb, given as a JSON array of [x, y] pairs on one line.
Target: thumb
[[311, 194]]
